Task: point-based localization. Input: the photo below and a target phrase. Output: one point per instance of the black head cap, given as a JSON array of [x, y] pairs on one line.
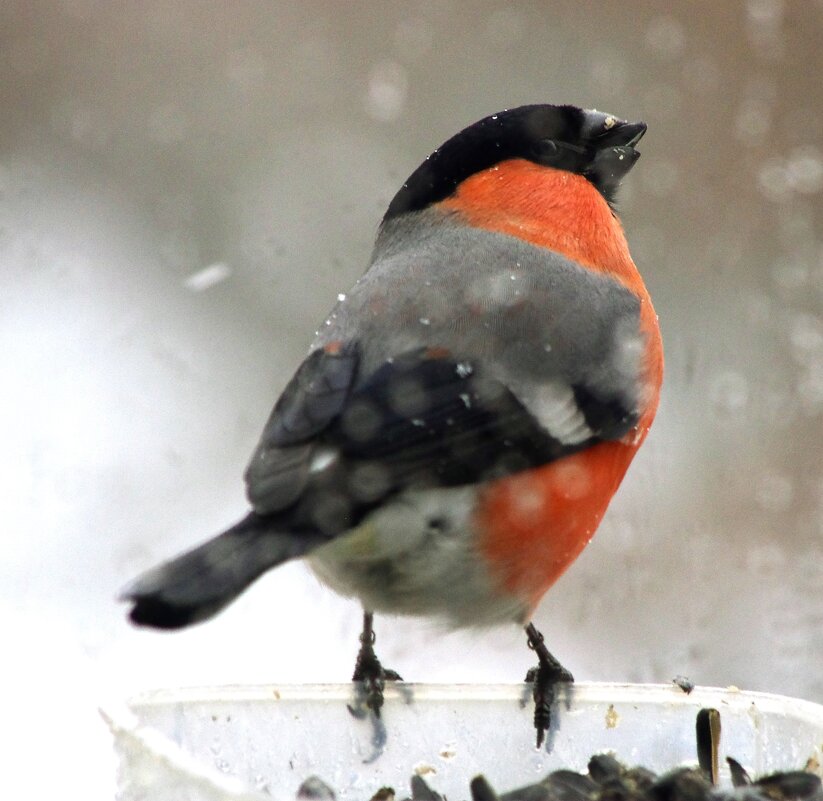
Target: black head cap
[[590, 143]]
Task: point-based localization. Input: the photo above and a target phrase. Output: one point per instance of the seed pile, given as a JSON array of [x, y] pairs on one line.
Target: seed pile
[[609, 780]]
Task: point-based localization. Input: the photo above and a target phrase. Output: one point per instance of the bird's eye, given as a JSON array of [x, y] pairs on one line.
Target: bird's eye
[[546, 151], [559, 154]]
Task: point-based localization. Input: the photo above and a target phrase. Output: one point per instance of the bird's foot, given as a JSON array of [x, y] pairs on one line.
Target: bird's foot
[[545, 678], [369, 674], [372, 678]]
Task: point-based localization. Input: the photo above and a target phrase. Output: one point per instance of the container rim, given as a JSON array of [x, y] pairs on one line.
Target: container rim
[[597, 692]]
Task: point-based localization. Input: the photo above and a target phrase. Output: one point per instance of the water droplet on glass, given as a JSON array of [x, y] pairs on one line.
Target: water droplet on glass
[[608, 71], [361, 420], [729, 391], [790, 274], [806, 336], [330, 511], [574, 479], [810, 388], [773, 180], [387, 90], [753, 121], [369, 481], [702, 74], [774, 492], [805, 170], [666, 37], [765, 12], [408, 396]]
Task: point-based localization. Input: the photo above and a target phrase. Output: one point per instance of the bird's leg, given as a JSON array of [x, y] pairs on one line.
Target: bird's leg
[[368, 669], [546, 676]]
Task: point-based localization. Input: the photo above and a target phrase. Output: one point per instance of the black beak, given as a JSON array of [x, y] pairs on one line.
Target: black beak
[[634, 131], [615, 156], [622, 134]]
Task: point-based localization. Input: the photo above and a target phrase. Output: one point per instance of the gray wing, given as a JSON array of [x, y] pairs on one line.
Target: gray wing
[[316, 394], [331, 453], [421, 380]]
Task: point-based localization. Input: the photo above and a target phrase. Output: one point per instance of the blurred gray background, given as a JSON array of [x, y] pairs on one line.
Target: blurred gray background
[[184, 189]]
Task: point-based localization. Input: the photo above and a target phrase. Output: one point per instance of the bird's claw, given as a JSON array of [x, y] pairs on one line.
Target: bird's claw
[[370, 689], [369, 675], [544, 678], [370, 679]]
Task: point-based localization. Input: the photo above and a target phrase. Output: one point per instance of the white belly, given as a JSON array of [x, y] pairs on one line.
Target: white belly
[[419, 556]]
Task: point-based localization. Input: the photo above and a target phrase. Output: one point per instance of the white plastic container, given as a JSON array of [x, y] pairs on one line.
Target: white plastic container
[[258, 743]]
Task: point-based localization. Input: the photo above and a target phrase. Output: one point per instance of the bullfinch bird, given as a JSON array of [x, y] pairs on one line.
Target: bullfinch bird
[[468, 409]]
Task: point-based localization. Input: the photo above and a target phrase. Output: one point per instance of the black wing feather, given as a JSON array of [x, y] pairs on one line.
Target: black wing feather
[[315, 395], [415, 422]]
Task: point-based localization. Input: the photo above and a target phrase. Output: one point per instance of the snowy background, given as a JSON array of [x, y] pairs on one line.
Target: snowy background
[[184, 189]]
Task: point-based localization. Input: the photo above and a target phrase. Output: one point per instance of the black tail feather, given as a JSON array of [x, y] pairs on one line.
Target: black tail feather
[[198, 584]]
